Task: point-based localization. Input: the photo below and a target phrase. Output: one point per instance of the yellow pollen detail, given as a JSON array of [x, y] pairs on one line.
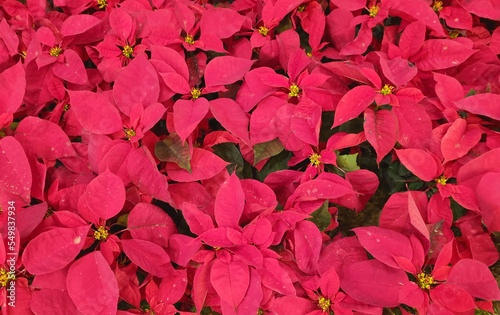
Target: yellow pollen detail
[[315, 159], [127, 51], [189, 39], [324, 304], [260, 312], [195, 93], [101, 234], [129, 133], [425, 281], [55, 51], [5, 277], [102, 3], [263, 30], [217, 248], [309, 54], [23, 54], [442, 180], [437, 6], [294, 91], [374, 10], [301, 8], [66, 107], [453, 34], [387, 89]]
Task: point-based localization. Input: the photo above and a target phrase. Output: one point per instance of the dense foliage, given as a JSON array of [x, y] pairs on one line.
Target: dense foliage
[[249, 156]]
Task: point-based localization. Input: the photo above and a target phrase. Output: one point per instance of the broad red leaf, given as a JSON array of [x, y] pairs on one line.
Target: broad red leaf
[[398, 70], [384, 244], [459, 139], [361, 43], [381, 130], [305, 122], [231, 116], [476, 278], [439, 54], [150, 223], [276, 278], [173, 287], [145, 175], [72, 69], [188, 114], [121, 23], [421, 163], [137, 84], [105, 196], [198, 221], [307, 246], [204, 165], [12, 88], [147, 255], [253, 297], [448, 89], [489, 204], [225, 70], [229, 203], [350, 4], [484, 8], [214, 17], [230, 280], [54, 249], [453, 297], [16, 177], [373, 282], [94, 112], [78, 24], [330, 283], [471, 173], [418, 10], [44, 138], [92, 285], [475, 105], [457, 17], [412, 39], [353, 103], [29, 218]]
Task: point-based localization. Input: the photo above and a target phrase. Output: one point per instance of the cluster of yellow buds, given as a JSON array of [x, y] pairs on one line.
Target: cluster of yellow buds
[[425, 281], [101, 234], [324, 304], [294, 91]]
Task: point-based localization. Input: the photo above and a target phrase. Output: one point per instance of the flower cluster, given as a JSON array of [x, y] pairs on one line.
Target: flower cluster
[[250, 157]]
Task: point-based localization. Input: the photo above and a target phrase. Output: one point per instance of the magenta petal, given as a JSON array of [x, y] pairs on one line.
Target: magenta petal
[[307, 246], [16, 176], [188, 114], [229, 203], [231, 116], [147, 255], [12, 88], [353, 103], [150, 223], [92, 285], [78, 24], [226, 70], [474, 277], [230, 280]]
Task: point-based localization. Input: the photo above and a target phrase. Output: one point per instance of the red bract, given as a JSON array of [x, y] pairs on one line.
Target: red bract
[[249, 157]]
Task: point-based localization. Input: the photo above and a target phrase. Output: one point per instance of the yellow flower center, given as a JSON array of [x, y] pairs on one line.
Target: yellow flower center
[[324, 304], [23, 54], [189, 39], [102, 3], [66, 107], [55, 51], [315, 159], [309, 54], [101, 234], [453, 34], [294, 91], [263, 30], [195, 93], [217, 248], [50, 211], [301, 8], [129, 133], [437, 6], [442, 180], [374, 10], [5, 277], [387, 89], [127, 51], [425, 281]]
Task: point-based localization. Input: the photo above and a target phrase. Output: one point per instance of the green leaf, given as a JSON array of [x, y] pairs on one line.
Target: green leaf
[[276, 163], [266, 150], [230, 153], [471, 92], [321, 217], [348, 162], [171, 149]]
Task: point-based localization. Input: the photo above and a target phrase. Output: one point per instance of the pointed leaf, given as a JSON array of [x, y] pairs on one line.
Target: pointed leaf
[[229, 203], [188, 114], [453, 297], [16, 177], [475, 105], [381, 130], [147, 255], [266, 150], [94, 112], [488, 201], [150, 223], [230, 280], [353, 103], [204, 165], [78, 24], [421, 163], [307, 246], [54, 249], [171, 149], [459, 139], [231, 116], [92, 285], [225, 70], [439, 54], [72, 69], [12, 88], [105, 196], [474, 277], [173, 287]]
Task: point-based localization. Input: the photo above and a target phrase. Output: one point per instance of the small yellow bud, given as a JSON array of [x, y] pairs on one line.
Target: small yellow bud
[[441, 179], [437, 6], [127, 51], [324, 304], [374, 10], [195, 93], [101, 234], [301, 8], [453, 34], [55, 51], [263, 30], [294, 91], [425, 281], [189, 39], [5, 277], [315, 159], [102, 3], [386, 90], [129, 133]]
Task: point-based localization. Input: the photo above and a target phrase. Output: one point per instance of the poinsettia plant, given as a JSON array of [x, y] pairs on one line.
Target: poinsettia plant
[[249, 157]]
